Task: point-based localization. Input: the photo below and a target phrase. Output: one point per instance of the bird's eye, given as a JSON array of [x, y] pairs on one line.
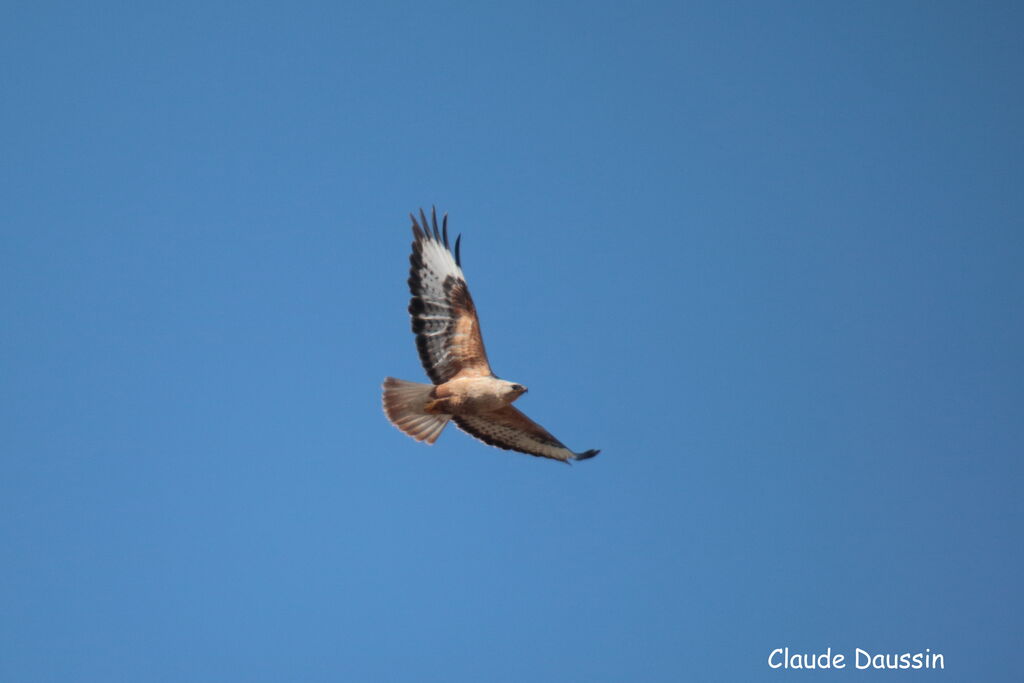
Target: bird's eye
[[517, 387]]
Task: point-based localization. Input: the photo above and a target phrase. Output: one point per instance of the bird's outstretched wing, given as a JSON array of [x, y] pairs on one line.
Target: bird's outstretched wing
[[443, 315], [508, 428]]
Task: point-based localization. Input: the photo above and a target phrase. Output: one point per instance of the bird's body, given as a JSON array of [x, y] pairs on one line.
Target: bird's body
[[472, 395], [451, 349]]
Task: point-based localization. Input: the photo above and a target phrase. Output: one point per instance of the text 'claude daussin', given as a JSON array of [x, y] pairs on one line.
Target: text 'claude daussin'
[[782, 658]]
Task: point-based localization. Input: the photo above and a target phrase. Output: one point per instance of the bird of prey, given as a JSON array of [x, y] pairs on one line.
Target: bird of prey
[[465, 389]]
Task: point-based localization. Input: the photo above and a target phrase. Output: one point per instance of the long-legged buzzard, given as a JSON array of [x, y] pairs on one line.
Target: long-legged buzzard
[[451, 349]]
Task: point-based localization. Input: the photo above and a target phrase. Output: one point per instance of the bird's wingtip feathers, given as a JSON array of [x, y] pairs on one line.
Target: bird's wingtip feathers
[[424, 229]]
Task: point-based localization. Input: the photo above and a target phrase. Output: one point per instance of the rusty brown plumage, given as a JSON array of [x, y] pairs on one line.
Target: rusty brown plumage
[[451, 349]]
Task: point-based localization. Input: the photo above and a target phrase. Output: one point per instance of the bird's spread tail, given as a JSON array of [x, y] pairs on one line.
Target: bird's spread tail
[[404, 405]]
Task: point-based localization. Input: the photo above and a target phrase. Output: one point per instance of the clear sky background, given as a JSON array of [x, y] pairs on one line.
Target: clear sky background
[[766, 256]]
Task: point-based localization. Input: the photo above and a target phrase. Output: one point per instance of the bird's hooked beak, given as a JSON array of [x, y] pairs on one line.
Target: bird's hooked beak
[[519, 388]]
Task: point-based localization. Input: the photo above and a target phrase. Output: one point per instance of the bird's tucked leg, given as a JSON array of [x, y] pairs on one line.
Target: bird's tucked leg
[[437, 406]]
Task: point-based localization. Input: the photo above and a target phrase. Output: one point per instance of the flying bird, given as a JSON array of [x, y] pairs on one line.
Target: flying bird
[[465, 389]]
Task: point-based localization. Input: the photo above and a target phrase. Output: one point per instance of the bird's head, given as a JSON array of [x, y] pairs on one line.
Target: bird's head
[[515, 390]]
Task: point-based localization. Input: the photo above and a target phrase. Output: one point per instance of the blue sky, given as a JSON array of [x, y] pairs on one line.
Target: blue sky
[[766, 256]]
